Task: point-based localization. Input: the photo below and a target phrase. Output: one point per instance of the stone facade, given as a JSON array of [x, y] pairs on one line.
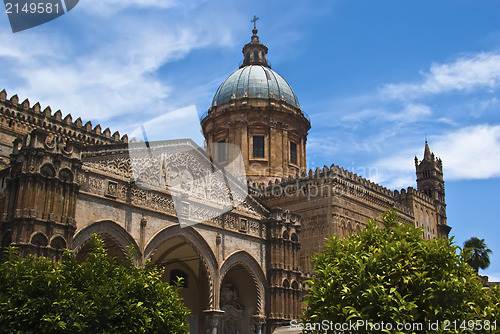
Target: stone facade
[[244, 269]]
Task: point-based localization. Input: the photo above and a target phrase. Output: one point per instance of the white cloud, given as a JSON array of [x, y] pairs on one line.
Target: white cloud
[[364, 114], [471, 152], [177, 124], [412, 112], [107, 77], [398, 171], [107, 7], [467, 153], [465, 74], [26, 47]]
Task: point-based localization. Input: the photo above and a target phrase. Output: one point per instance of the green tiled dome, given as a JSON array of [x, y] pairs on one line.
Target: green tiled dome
[[255, 81]]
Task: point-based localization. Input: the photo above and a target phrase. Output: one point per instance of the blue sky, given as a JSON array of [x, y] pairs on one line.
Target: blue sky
[[375, 77]]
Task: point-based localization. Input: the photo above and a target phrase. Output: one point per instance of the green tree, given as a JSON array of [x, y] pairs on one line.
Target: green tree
[[95, 296], [478, 253], [391, 274]]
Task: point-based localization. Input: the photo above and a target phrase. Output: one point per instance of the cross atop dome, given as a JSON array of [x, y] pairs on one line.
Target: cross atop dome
[[254, 20], [255, 52]]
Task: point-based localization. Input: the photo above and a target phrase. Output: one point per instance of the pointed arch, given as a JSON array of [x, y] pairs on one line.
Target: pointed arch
[[39, 239], [48, 170], [58, 242], [109, 229], [245, 260], [198, 243]]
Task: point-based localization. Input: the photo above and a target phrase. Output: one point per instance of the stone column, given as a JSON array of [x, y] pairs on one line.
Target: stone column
[[142, 238], [257, 322], [212, 320]]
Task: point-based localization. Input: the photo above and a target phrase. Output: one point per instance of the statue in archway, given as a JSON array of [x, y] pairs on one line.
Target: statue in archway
[[233, 310]]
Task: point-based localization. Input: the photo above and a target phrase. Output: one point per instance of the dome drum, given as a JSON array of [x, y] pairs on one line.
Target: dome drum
[[247, 104]]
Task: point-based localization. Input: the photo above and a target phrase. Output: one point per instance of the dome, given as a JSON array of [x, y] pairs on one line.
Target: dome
[[255, 81]]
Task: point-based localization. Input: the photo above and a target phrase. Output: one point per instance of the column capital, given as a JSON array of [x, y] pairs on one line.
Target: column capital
[[212, 320], [256, 325]]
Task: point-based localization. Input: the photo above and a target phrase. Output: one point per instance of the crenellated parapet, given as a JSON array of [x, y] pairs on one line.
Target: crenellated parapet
[[410, 191], [425, 210], [333, 181], [322, 173], [17, 119]]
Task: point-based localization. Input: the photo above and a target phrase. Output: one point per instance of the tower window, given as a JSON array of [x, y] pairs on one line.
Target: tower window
[[221, 151], [293, 153], [258, 147], [255, 56]]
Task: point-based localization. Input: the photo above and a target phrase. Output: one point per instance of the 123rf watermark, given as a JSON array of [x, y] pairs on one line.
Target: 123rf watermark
[[381, 326]]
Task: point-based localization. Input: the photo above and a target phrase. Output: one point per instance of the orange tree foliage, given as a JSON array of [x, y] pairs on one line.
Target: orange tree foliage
[[391, 274], [95, 296]]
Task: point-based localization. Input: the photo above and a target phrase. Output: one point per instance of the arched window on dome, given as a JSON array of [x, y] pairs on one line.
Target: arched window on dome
[[247, 57], [255, 56], [258, 147], [221, 151], [293, 153]]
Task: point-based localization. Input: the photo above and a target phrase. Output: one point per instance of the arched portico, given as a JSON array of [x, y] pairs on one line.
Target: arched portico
[[243, 293], [116, 240], [182, 252]]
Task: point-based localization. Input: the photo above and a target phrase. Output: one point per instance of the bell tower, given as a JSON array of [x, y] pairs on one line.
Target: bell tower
[[430, 181]]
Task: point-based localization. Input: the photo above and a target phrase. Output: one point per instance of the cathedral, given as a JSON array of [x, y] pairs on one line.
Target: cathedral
[[243, 249]]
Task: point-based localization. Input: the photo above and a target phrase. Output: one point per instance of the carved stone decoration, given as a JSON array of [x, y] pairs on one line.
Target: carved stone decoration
[[243, 225], [50, 142], [231, 223], [55, 143], [253, 227], [111, 189], [200, 212], [246, 207], [118, 166], [147, 171], [156, 201], [184, 173], [95, 185], [122, 192]]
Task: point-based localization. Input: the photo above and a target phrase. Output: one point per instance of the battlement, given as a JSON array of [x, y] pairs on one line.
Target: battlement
[[327, 172], [410, 191], [21, 118], [359, 179], [341, 180]]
